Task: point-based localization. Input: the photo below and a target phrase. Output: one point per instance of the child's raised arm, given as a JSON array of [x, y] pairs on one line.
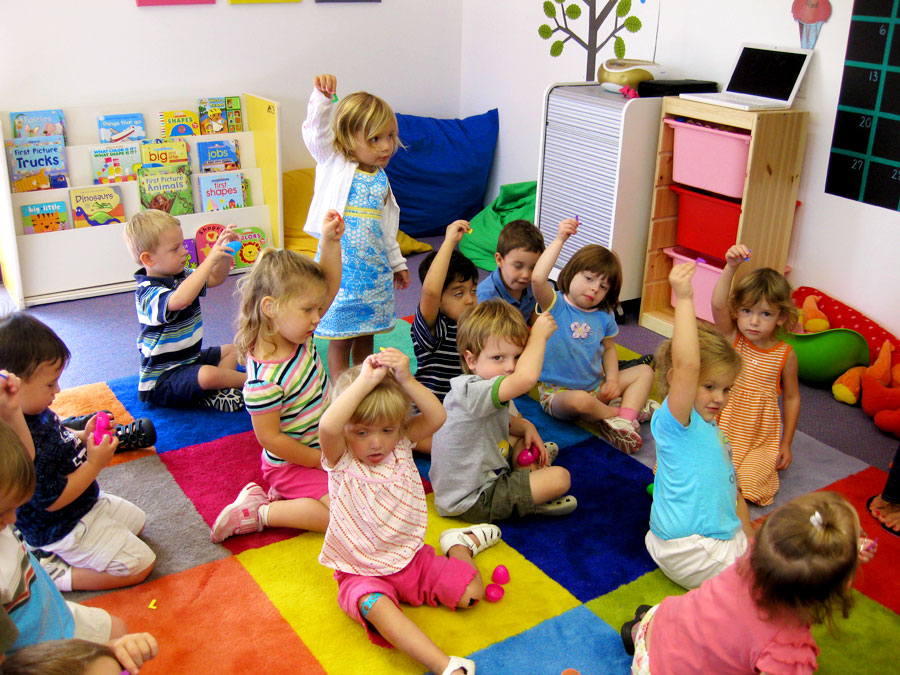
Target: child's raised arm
[[431, 413], [540, 284], [531, 361], [685, 346], [433, 284], [330, 258], [11, 409], [734, 257], [211, 272], [316, 130], [340, 412]]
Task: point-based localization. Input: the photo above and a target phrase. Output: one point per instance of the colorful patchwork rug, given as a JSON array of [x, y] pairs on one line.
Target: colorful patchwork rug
[[261, 603]]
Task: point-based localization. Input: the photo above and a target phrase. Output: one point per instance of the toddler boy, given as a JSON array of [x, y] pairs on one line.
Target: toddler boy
[[448, 289], [473, 455], [519, 246], [87, 539], [175, 370]]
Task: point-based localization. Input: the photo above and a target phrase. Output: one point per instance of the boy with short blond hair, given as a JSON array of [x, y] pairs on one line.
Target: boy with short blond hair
[[519, 246], [175, 370], [474, 454]]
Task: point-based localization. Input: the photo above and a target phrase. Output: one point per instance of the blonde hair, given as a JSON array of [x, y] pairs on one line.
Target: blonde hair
[[281, 275], [765, 284], [361, 112], [717, 356], [490, 319], [56, 657], [599, 260], [387, 402], [142, 231], [805, 558], [17, 477]]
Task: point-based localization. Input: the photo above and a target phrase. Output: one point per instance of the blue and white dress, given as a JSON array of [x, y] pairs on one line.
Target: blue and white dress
[[365, 302]]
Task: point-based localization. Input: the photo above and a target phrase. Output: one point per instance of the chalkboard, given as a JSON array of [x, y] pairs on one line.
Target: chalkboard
[[864, 164]]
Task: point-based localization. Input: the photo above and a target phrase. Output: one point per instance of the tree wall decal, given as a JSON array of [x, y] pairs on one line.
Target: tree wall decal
[[597, 13]]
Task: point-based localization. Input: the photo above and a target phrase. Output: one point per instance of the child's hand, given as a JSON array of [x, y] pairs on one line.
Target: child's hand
[[332, 225], [9, 394], [531, 438], [680, 280], [785, 457], [99, 455], [396, 361], [609, 390], [566, 228], [867, 548], [737, 254], [456, 230], [219, 251], [133, 650], [372, 371], [326, 84], [544, 326], [401, 279]]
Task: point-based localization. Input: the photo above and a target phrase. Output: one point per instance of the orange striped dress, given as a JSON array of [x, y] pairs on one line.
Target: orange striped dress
[[751, 420]]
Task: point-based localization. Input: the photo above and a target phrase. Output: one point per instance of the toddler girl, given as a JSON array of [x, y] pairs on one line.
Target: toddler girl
[[696, 530], [755, 616], [352, 143], [282, 299], [375, 538], [752, 317], [580, 379]]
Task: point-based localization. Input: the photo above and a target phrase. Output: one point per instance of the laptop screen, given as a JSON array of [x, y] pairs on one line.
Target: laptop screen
[[768, 73]]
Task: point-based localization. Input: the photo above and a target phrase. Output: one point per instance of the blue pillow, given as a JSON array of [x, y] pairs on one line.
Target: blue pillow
[[441, 175]]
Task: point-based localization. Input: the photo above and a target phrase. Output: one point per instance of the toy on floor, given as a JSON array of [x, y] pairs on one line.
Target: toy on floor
[[500, 575], [494, 592], [814, 319]]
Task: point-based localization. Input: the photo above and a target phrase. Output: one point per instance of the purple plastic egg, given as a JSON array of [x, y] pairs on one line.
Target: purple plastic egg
[[500, 575], [493, 592]]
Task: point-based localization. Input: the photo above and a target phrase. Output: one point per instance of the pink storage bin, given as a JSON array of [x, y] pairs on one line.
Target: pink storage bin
[[710, 159], [704, 281]]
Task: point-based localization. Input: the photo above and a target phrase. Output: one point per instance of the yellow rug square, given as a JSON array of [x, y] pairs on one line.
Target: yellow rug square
[[341, 645]]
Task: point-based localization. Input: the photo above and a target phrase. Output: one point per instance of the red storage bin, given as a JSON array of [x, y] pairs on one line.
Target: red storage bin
[[706, 224]]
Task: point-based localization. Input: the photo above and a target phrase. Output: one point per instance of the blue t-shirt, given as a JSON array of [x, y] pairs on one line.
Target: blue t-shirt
[[695, 490], [574, 355], [492, 286], [58, 452]]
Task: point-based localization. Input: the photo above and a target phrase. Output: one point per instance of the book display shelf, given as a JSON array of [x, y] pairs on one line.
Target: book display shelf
[[90, 261]]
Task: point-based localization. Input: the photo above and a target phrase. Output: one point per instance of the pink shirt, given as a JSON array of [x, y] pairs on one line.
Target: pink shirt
[[717, 628], [378, 513]]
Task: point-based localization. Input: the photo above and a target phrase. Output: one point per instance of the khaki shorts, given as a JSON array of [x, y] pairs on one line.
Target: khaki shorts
[[509, 494], [91, 623]]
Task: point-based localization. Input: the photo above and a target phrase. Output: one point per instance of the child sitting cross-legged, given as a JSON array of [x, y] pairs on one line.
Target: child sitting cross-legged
[[375, 540], [87, 538], [519, 247], [474, 454]]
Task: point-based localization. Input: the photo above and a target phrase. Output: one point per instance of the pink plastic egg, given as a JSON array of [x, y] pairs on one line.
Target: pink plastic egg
[[500, 575], [493, 592]]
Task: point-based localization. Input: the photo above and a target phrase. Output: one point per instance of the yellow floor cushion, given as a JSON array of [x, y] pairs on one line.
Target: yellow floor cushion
[[297, 192]]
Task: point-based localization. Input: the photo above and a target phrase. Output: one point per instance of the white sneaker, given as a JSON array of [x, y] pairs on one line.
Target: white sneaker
[[647, 411], [226, 400], [240, 516], [621, 433]]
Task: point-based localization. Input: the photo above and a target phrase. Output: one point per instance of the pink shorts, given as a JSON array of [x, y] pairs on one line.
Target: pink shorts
[[293, 481], [428, 578]]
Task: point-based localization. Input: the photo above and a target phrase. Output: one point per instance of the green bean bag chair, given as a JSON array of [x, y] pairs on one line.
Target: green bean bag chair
[[516, 200]]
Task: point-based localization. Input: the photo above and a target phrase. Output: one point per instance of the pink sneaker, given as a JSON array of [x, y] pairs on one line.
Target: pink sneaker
[[647, 411], [241, 516]]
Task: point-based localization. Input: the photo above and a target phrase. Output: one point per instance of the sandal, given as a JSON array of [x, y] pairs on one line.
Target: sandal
[[552, 451], [457, 662], [625, 630], [884, 526], [80, 422], [486, 534], [138, 434], [557, 507]]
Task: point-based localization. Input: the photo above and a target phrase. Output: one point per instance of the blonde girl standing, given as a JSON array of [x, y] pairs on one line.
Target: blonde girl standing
[[352, 142], [752, 318], [580, 379], [282, 300]]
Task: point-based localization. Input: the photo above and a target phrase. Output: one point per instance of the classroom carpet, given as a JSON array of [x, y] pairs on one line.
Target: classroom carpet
[[261, 603]]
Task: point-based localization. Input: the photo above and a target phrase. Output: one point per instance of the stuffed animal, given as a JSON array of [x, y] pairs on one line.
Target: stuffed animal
[[814, 319], [847, 387]]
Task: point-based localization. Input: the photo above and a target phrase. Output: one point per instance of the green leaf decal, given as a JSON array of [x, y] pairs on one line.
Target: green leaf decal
[[573, 11], [623, 8], [550, 10], [619, 47], [632, 24], [545, 31], [556, 48]]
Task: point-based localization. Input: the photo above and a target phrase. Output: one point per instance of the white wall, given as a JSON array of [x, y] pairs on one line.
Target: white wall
[[844, 248], [94, 51]]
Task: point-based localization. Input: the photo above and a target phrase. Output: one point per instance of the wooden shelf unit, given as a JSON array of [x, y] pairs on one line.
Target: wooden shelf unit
[[777, 144], [90, 261]]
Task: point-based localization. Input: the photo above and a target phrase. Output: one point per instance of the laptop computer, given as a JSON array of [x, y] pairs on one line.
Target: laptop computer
[[762, 78]]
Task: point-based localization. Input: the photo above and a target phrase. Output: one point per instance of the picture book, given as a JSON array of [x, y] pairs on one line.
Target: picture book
[[223, 155], [190, 246], [178, 123], [220, 115], [167, 188], [253, 240], [220, 191], [99, 205], [169, 151], [206, 237], [46, 217], [122, 127], [37, 163], [114, 163], [38, 123]]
